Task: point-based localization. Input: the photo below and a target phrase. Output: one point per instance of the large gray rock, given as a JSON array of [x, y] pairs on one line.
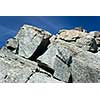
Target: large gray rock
[[42, 78], [86, 68], [70, 35], [58, 58], [30, 42], [72, 63], [61, 70], [14, 68], [83, 73], [36, 56], [30, 39], [96, 35], [81, 38], [97, 38], [87, 44]]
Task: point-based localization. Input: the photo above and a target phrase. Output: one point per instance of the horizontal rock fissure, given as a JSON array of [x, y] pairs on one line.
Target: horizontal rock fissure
[[10, 48], [90, 50], [98, 45], [40, 50], [73, 40], [57, 78]]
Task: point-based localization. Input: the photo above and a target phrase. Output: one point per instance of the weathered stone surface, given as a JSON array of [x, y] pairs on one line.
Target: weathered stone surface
[[36, 56], [14, 68], [71, 35], [98, 41], [98, 53], [30, 38], [85, 68], [58, 58], [96, 35], [83, 40], [62, 71], [97, 38], [84, 64], [87, 43], [12, 44], [42, 78], [53, 38]]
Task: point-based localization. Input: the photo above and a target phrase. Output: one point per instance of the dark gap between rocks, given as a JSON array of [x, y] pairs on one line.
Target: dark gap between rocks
[[45, 67], [40, 50], [10, 48], [17, 49], [70, 79], [93, 46], [68, 40], [98, 45], [5, 76], [37, 70], [61, 59], [69, 61], [57, 79], [29, 77], [74, 40]]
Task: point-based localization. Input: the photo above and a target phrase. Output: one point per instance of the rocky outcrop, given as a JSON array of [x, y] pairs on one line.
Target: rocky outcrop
[[36, 56], [70, 35], [29, 40]]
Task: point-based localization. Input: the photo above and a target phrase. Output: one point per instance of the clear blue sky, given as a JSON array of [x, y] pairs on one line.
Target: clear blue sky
[[9, 26]]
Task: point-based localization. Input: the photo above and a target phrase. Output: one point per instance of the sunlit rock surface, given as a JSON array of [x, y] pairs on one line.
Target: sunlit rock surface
[[37, 56]]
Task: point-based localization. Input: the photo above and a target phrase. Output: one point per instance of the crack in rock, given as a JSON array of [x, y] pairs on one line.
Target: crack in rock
[[45, 67], [29, 77], [40, 49], [38, 70], [70, 79]]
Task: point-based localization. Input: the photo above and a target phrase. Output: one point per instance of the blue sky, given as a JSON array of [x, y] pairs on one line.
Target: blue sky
[[9, 25]]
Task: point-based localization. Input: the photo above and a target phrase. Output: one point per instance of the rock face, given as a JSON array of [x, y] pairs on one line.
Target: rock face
[[30, 39], [36, 56], [42, 78], [57, 57], [70, 35]]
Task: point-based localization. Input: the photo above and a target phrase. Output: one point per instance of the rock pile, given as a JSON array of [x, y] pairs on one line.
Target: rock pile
[[36, 56]]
